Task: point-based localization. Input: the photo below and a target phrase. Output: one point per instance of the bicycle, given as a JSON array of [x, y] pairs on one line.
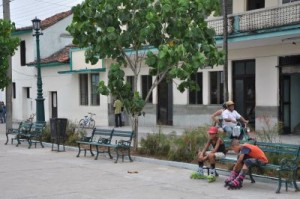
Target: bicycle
[[31, 117], [87, 121]]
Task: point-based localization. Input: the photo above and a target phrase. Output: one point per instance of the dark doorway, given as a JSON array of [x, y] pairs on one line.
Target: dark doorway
[[289, 93], [244, 89], [53, 104], [165, 103], [285, 103]]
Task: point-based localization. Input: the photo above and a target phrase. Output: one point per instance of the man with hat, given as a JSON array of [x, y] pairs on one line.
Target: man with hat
[[217, 152], [230, 118]]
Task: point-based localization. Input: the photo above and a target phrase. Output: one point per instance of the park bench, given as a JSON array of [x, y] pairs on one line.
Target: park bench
[[98, 136], [283, 159], [23, 127], [122, 144], [103, 139], [34, 135]]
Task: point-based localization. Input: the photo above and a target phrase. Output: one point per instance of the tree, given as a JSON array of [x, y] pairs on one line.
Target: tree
[[8, 45], [225, 49], [170, 36]]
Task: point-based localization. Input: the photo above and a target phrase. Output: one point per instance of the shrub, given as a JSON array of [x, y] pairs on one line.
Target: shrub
[[72, 134], [269, 132], [185, 147], [156, 144], [174, 147]]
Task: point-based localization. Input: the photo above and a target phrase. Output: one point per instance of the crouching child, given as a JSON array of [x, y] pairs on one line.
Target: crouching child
[[249, 155]]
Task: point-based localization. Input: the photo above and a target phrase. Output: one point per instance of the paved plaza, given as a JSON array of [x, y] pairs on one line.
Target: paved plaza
[[40, 173]]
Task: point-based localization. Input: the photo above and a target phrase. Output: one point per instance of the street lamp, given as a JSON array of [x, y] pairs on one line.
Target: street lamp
[[40, 112]]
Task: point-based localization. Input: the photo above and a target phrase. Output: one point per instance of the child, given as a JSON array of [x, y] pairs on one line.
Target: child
[[249, 155], [217, 152]]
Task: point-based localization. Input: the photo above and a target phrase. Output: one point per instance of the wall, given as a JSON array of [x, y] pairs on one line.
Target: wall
[[51, 41], [67, 87], [78, 60], [24, 76]]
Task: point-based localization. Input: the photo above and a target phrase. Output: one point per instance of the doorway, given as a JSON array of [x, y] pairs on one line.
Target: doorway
[[244, 89], [54, 104], [289, 93], [165, 103]]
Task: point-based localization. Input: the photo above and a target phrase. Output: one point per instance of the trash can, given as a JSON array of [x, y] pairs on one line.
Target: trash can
[[58, 128]]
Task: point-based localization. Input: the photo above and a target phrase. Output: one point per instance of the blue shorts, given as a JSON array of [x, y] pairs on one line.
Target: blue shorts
[[249, 162]]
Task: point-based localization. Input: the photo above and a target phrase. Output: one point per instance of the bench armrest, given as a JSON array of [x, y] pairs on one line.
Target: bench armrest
[[86, 138], [288, 164], [12, 131]]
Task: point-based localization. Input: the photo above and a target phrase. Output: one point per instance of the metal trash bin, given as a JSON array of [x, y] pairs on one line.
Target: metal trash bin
[[58, 128]]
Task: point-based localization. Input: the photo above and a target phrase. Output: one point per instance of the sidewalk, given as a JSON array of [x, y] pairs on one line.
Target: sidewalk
[[40, 173]]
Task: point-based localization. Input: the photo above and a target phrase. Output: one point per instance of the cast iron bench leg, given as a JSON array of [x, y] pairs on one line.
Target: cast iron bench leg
[[91, 151], [295, 179], [41, 143], [279, 182], [110, 156], [131, 160], [29, 142], [18, 140], [79, 150], [97, 148], [250, 175], [6, 139]]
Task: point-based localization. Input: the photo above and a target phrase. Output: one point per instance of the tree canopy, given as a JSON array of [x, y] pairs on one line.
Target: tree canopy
[[171, 37], [8, 45]]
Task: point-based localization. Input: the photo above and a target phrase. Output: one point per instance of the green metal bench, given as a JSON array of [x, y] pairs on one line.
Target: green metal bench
[[24, 127], [34, 135], [102, 140], [287, 163], [122, 144], [97, 136]]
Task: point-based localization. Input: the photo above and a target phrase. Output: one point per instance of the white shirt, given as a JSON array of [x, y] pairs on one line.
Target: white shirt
[[232, 115]]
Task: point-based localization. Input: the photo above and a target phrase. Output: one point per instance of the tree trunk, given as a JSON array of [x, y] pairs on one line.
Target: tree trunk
[[8, 90], [225, 48], [135, 128]]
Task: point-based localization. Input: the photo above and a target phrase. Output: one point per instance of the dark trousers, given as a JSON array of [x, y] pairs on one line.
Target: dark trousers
[[118, 120]]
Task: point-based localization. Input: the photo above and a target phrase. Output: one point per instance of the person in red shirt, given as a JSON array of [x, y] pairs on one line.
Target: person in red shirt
[[249, 155]]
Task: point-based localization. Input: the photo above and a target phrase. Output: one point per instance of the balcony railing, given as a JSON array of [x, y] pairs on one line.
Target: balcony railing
[[259, 19]]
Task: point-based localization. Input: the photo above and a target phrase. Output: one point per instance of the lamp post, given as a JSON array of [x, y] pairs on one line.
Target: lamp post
[[40, 112]]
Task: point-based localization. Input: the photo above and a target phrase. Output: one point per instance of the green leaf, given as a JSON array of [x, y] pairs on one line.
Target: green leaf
[[110, 29]]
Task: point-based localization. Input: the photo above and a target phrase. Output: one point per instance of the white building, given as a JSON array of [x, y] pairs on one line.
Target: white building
[[264, 73]]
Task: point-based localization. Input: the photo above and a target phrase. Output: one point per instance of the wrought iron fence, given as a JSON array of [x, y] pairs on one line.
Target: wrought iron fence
[[270, 18], [217, 24], [259, 19]]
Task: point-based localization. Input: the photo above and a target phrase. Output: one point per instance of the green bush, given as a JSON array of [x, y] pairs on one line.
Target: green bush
[[185, 147], [173, 147], [156, 145], [72, 134]]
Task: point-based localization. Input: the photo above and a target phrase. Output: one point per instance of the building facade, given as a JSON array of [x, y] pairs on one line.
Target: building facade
[[264, 74]]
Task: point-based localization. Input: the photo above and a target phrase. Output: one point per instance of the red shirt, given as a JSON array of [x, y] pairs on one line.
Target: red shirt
[[254, 152]]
